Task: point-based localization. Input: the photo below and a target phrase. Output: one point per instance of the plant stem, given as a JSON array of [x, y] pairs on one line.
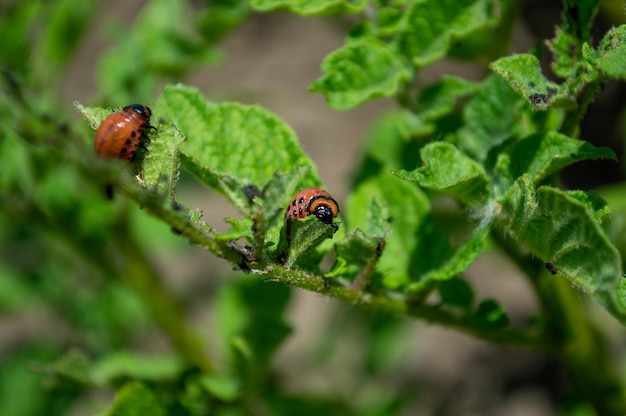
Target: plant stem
[[577, 345], [402, 307], [581, 351], [140, 275]]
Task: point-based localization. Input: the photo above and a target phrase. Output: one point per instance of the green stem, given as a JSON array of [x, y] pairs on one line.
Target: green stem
[[141, 277], [577, 345], [582, 351], [573, 118], [378, 301], [402, 307]]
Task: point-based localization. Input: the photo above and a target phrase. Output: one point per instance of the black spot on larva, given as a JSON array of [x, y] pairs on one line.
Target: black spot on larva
[[294, 202], [302, 200], [108, 191], [300, 211], [127, 141], [123, 150], [295, 213], [133, 134]]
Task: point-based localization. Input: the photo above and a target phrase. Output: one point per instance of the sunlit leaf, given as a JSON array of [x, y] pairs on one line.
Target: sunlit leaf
[[359, 71]]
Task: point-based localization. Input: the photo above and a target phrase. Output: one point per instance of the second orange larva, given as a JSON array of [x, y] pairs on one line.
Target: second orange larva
[[313, 201], [119, 135]]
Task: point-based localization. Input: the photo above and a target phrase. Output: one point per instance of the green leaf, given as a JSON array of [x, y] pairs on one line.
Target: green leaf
[[389, 21], [18, 381], [389, 142], [15, 292], [523, 73], [225, 388], [160, 164], [454, 261], [358, 252], [229, 142], [70, 369], [249, 318], [615, 301], [240, 228], [491, 117], [435, 112], [162, 43], [612, 53], [566, 53], [439, 99], [359, 71], [135, 399], [354, 253], [595, 204], [386, 349], [303, 238], [543, 154], [456, 292], [277, 193], [232, 188], [63, 31], [311, 7], [411, 225], [16, 24], [432, 25], [490, 315], [445, 169], [94, 115], [223, 16], [579, 16], [559, 229], [129, 365]]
